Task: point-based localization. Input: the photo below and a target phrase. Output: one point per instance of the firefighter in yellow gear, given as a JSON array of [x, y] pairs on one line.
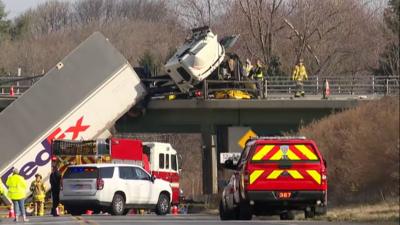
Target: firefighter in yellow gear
[[248, 68], [38, 192], [17, 193], [258, 75], [299, 75]]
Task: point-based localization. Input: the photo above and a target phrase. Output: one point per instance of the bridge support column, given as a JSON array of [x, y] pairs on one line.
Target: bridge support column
[[210, 185]]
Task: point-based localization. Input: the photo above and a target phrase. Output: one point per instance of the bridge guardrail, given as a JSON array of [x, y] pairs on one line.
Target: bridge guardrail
[[360, 85], [274, 86]]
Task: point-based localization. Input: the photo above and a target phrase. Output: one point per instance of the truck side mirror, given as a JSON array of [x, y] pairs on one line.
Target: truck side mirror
[[230, 165]]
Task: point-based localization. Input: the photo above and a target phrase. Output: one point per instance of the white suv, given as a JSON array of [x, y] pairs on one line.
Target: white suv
[[113, 187]]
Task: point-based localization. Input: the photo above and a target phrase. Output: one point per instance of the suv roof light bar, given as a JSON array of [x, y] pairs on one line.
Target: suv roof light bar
[[279, 138]]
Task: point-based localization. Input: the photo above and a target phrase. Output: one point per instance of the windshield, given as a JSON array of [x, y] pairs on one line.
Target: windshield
[[284, 152]]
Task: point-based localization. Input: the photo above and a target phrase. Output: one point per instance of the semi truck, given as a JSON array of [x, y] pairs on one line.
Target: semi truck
[[159, 159], [197, 59], [78, 99]]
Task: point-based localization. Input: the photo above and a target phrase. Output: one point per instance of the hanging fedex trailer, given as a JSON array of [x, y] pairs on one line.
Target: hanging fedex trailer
[[80, 98]]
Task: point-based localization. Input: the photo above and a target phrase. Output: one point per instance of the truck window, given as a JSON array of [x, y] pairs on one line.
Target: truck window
[[81, 172], [174, 165], [161, 161], [166, 161], [127, 173], [103, 147], [284, 152], [106, 172]]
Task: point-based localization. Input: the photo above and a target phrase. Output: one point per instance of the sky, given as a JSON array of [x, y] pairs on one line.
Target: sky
[[16, 7]]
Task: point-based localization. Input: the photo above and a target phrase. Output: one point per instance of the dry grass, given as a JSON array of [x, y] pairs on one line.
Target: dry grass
[[383, 211], [361, 146]]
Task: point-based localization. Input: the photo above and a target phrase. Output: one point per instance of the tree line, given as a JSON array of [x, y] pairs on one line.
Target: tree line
[[334, 37]]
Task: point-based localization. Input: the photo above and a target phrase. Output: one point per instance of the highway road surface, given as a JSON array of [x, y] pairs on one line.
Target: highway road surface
[[193, 219]]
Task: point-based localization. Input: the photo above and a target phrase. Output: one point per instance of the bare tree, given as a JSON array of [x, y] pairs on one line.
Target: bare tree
[[196, 13], [263, 20]]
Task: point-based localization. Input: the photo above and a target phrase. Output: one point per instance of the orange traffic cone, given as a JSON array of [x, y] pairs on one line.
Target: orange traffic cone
[[12, 91], [11, 213], [327, 90]]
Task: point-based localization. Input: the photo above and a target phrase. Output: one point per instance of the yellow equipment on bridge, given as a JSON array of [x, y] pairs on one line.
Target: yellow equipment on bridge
[[232, 94]]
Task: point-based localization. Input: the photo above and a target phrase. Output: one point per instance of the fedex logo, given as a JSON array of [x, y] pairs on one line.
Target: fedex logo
[[29, 169]]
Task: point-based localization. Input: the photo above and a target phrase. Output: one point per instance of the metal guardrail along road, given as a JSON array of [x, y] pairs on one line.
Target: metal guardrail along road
[[275, 86]]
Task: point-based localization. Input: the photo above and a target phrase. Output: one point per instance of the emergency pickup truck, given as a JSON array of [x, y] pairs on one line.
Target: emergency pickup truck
[[275, 175], [79, 98], [159, 159]]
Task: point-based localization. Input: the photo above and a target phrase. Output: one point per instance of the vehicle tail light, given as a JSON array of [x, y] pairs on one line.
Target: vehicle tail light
[[99, 184], [198, 93], [323, 177], [53, 158]]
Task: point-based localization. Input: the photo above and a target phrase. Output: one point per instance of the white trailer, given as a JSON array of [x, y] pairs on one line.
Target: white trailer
[[80, 98]]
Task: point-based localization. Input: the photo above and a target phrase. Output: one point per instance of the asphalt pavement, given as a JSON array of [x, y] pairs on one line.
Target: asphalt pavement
[[191, 219]]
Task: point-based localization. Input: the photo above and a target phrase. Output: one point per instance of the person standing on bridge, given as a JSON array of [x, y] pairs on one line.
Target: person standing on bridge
[[39, 192], [17, 189], [299, 75], [55, 182], [258, 75]]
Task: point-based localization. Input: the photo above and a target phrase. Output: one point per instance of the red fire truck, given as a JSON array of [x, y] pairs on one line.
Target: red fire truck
[[159, 159]]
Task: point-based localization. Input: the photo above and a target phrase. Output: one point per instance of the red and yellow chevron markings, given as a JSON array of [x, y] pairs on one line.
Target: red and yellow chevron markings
[[295, 174], [276, 152], [315, 175]]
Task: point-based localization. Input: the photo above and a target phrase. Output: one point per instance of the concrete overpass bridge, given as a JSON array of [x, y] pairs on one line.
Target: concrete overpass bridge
[[213, 118], [275, 114]]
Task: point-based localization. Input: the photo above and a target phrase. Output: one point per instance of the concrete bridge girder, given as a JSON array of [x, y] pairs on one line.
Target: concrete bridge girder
[[208, 117]]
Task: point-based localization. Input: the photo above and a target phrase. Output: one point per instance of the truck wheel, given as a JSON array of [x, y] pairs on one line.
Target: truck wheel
[[225, 214], [118, 205], [163, 205], [309, 214], [245, 212], [126, 211], [287, 215]]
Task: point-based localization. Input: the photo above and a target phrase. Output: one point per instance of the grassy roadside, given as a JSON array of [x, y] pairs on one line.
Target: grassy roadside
[[383, 211]]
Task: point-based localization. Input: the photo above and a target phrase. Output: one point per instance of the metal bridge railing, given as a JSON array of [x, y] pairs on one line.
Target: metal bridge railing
[[282, 86], [274, 86]]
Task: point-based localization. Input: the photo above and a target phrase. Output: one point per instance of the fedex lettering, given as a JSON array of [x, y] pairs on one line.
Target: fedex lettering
[[43, 157]]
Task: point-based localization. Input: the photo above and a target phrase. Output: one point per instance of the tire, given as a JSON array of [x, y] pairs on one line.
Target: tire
[[287, 215], [309, 214], [117, 205], [225, 214], [163, 205], [126, 211], [245, 212]]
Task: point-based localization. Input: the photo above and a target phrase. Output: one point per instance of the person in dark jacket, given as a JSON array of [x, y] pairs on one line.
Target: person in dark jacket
[[55, 180]]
